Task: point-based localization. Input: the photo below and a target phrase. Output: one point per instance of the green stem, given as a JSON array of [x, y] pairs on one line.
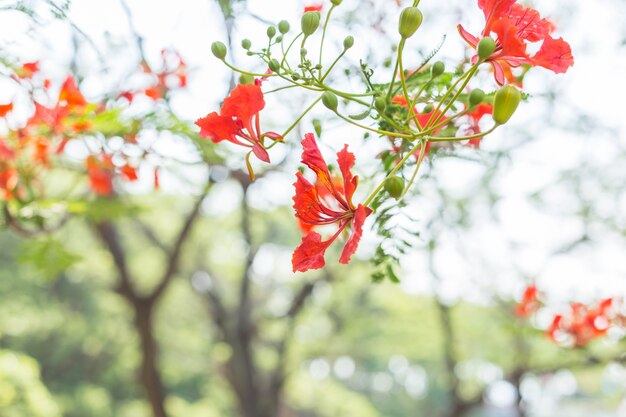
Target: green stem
[[417, 167], [301, 117], [332, 66], [467, 76], [393, 77], [252, 74], [324, 36], [282, 62], [380, 132], [459, 138], [395, 169]]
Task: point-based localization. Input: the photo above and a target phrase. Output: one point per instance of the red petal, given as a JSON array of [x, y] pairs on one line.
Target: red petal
[[529, 23], [360, 215], [244, 101], [310, 253], [468, 37], [70, 94], [494, 10], [260, 152], [217, 128], [509, 39], [308, 206], [345, 160], [555, 55], [312, 157], [5, 108]]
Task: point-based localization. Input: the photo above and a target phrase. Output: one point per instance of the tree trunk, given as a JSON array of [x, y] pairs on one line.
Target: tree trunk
[[149, 374]]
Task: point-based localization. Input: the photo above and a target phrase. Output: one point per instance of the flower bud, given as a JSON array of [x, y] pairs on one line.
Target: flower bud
[[271, 32], [317, 125], [437, 69], [476, 96], [246, 44], [330, 100], [394, 185], [410, 21], [283, 26], [303, 51], [310, 22], [336, 2], [219, 50], [505, 103], [348, 42], [274, 65], [279, 39], [380, 104], [427, 109], [486, 47]]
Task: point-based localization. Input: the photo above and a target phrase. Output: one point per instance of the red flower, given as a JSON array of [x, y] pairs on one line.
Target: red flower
[[583, 323], [100, 172], [27, 70], [332, 206], [529, 303], [474, 118], [314, 8], [70, 95], [5, 108], [239, 121], [515, 26], [423, 119]]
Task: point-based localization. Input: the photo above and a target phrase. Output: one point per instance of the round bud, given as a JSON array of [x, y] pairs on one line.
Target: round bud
[[348, 42], [486, 47], [246, 79], [303, 51], [437, 69], [336, 2], [219, 50], [394, 185], [505, 103], [310, 22], [295, 76], [279, 39], [271, 32], [246, 44], [283, 26], [380, 104], [427, 109], [410, 21], [274, 65], [330, 100], [476, 97]]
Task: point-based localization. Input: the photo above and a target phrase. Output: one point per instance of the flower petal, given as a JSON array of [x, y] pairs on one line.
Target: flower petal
[[310, 253], [360, 215], [555, 55]]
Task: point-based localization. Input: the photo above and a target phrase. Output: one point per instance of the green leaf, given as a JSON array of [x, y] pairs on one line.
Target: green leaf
[[47, 256]]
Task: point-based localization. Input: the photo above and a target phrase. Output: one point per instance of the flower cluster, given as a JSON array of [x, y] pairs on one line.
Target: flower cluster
[[515, 27], [582, 323], [415, 111]]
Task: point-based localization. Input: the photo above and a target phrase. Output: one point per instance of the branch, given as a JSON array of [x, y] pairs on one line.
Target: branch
[[151, 236], [174, 254], [108, 235]]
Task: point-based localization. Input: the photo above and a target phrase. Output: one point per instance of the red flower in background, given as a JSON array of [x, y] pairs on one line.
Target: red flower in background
[[100, 172], [239, 121], [529, 304], [326, 204], [424, 119], [314, 8], [583, 323], [70, 95], [474, 118], [5, 108], [515, 26]]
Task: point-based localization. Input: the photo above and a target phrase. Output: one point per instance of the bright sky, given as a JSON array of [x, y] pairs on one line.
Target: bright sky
[[492, 255]]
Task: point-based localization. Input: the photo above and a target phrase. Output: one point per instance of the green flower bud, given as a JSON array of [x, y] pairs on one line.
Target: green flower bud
[[380, 103], [348, 42], [476, 97], [486, 47], [219, 50], [246, 44], [330, 100], [295, 76], [279, 39], [310, 22], [271, 32], [437, 69], [317, 126], [303, 51], [274, 65], [427, 109], [246, 79], [283, 26], [336, 2], [394, 185], [410, 21], [505, 103]]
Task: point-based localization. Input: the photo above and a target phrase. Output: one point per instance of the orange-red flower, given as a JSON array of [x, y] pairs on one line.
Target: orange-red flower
[[314, 8], [5, 108], [583, 323], [332, 206], [515, 26], [529, 303], [475, 116], [239, 121]]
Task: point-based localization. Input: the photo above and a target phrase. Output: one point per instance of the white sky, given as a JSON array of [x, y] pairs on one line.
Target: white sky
[[594, 86]]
